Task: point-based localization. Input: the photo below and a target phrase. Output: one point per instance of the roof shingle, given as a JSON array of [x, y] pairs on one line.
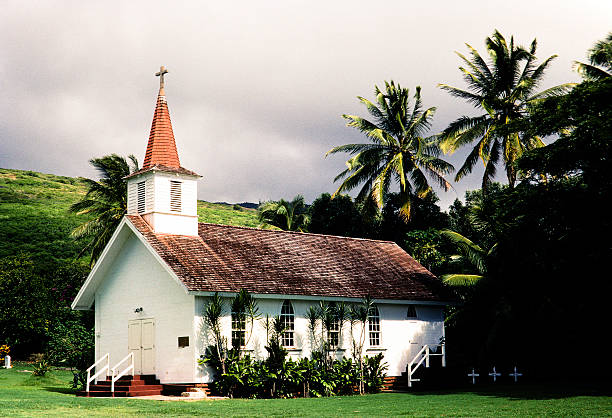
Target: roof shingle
[[229, 258]]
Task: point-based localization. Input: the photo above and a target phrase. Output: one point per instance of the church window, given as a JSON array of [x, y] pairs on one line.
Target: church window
[[175, 196], [412, 313], [287, 318], [238, 329], [374, 326], [333, 327], [141, 197]]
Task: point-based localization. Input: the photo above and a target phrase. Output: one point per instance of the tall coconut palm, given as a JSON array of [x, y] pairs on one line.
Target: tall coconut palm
[[600, 58], [288, 216], [398, 151], [503, 87], [105, 203]]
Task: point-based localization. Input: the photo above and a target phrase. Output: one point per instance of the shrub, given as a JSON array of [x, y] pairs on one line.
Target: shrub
[[4, 350], [41, 368], [72, 345], [374, 373]]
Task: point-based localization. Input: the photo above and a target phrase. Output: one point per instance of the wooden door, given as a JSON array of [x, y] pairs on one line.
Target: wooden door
[[141, 342], [148, 346]]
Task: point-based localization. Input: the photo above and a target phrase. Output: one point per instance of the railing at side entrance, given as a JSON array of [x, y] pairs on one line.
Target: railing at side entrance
[[90, 378], [130, 368], [423, 357]]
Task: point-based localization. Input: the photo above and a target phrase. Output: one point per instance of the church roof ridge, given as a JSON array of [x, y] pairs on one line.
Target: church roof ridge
[[281, 231]]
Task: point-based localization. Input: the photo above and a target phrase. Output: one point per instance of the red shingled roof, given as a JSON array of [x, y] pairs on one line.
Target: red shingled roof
[[161, 149], [229, 258]]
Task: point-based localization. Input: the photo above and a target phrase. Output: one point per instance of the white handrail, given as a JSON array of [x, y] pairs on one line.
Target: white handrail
[[423, 356], [104, 369], [124, 372]]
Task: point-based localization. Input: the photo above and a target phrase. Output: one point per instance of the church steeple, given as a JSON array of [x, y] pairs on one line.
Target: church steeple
[[161, 149], [163, 192]]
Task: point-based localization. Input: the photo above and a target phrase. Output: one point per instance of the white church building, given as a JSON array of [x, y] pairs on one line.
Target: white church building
[[161, 266]]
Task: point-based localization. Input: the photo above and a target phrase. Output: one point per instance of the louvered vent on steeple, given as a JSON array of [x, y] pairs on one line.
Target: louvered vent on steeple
[[163, 192]]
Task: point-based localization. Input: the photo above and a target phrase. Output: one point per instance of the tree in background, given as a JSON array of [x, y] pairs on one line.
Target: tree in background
[[288, 216], [338, 216], [583, 121], [600, 61], [504, 87], [105, 201], [398, 151], [72, 345], [25, 309]]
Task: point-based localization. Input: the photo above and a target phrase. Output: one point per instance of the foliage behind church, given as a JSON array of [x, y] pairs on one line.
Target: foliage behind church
[[39, 272]]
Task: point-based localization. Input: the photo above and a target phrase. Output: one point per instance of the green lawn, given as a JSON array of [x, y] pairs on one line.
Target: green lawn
[[21, 394]]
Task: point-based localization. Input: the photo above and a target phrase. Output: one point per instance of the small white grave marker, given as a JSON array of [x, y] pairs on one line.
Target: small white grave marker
[[494, 374], [473, 375], [515, 374], [7, 362]]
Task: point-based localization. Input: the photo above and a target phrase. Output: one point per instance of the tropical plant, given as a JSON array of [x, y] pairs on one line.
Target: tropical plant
[[504, 88], [244, 310], [375, 371], [288, 216], [487, 226], [212, 326], [105, 203], [399, 151], [276, 355], [600, 61], [41, 368], [358, 315], [474, 254]]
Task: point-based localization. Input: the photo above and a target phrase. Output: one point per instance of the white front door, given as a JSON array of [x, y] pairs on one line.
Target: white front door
[[141, 342]]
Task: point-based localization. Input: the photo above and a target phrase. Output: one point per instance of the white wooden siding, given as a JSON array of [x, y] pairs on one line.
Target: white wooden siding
[[400, 338], [137, 280]]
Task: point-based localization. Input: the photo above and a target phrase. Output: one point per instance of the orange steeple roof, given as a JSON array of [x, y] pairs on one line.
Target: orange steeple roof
[[161, 149]]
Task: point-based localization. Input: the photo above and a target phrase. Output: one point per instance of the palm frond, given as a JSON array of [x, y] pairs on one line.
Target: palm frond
[[473, 252], [461, 279]]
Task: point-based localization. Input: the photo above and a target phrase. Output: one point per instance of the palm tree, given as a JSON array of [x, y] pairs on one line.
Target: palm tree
[[105, 203], [475, 255], [488, 228], [288, 216], [600, 58], [398, 151], [504, 87]]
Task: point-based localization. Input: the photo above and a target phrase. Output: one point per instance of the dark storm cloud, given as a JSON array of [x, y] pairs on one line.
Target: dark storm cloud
[[256, 89]]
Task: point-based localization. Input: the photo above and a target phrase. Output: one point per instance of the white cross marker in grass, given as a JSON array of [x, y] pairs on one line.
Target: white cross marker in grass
[[494, 374], [473, 375], [515, 374]]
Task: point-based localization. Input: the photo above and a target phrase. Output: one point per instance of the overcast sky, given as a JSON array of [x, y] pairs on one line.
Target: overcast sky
[[256, 89]]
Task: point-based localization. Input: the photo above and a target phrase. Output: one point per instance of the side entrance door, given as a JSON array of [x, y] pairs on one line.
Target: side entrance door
[[141, 342]]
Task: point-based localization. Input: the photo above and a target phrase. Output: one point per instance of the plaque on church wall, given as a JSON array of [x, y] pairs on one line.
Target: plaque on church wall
[[183, 342]]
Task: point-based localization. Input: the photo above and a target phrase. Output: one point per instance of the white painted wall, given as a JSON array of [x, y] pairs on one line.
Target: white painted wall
[[157, 203], [136, 279], [401, 338]]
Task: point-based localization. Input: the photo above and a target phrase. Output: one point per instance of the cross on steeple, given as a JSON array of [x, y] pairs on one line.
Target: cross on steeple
[[160, 74]]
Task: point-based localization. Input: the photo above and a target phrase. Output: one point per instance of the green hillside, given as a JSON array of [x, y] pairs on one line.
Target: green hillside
[[34, 215]]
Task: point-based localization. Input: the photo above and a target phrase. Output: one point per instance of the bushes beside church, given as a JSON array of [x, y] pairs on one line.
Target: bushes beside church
[[279, 377]]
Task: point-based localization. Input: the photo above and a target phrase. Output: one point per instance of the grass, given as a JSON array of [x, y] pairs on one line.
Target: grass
[[22, 394], [34, 216], [219, 213]]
